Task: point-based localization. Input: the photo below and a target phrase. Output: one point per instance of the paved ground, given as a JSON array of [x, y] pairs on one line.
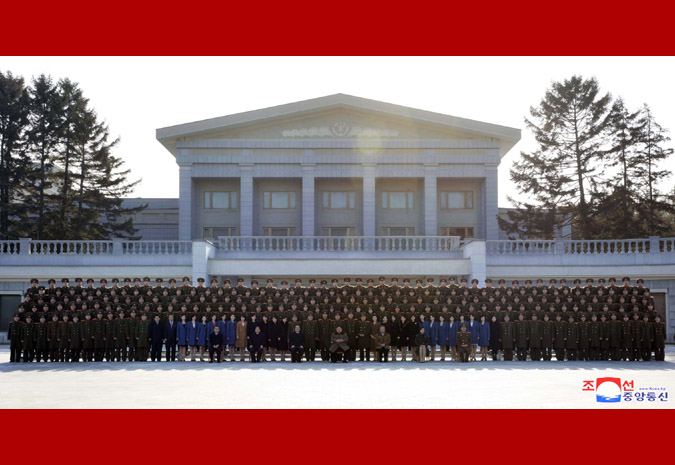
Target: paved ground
[[323, 385]]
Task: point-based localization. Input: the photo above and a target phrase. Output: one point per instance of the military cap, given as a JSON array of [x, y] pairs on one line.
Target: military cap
[[214, 280], [323, 281], [540, 281], [146, 279], [34, 281], [358, 280], [172, 280], [240, 280], [28, 316], [51, 280], [333, 280], [226, 281], [657, 316], [159, 280], [463, 280], [109, 312], [103, 281], [311, 281], [430, 280], [115, 280], [253, 281], [528, 281], [502, 281], [200, 280], [577, 281], [443, 280], [65, 280], [381, 278], [612, 280], [583, 315], [515, 281], [641, 281], [17, 315], [488, 280], [419, 281], [78, 280], [370, 280], [89, 280], [137, 280], [474, 280], [589, 280], [394, 279], [601, 280], [99, 312], [563, 281], [185, 278], [298, 280], [347, 280], [625, 278], [284, 282], [270, 281]]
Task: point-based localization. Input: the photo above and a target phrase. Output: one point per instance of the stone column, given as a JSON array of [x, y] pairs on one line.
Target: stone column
[[308, 193], [475, 252], [369, 199], [430, 200], [246, 199], [185, 203], [491, 203]]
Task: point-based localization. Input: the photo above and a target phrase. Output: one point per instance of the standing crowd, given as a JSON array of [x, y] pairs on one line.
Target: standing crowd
[[133, 320]]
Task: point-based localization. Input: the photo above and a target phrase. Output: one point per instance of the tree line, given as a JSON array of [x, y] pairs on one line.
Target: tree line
[[59, 178], [597, 167]]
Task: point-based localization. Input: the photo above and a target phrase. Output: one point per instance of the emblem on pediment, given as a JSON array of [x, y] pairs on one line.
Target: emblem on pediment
[[340, 129]]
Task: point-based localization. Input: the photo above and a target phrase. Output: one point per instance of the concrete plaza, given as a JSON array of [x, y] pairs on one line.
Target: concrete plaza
[[324, 385]]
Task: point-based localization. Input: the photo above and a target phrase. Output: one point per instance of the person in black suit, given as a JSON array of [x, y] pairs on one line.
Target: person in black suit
[[170, 339], [295, 342], [156, 339], [216, 344], [256, 344]]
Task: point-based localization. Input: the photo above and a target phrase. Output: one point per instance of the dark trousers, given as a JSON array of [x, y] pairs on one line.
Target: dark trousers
[[464, 353], [571, 354], [382, 354], [508, 355], [364, 355], [627, 354], [110, 354], [325, 354], [615, 353], [54, 355], [495, 354], [547, 353], [522, 353], [156, 351], [141, 354], [74, 355], [28, 355], [212, 351], [131, 353], [535, 354], [121, 354], [255, 355], [87, 355], [99, 352], [14, 354], [64, 355], [335, 356], [646, 355], [560, 354], [296, 355], [352, 355], [171, 351], [659, 353], [41, 354], [310, 354], [594, 353], [582, 354]]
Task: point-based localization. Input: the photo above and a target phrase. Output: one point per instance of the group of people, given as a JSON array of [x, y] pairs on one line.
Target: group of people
[[134, 320]]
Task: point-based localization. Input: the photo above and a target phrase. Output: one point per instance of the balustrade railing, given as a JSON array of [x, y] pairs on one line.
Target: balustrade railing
[[338, 244], [112, 247]]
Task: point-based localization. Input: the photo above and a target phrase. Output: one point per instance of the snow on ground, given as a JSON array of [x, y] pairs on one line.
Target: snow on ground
[[324, 385]]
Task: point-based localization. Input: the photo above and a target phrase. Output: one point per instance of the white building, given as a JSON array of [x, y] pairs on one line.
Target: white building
[[335, 186]]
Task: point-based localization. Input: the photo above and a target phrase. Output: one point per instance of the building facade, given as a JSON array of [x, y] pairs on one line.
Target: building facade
[[333, 187]]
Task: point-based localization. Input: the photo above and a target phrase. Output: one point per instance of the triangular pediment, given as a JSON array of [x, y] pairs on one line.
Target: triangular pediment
[[338, 116]]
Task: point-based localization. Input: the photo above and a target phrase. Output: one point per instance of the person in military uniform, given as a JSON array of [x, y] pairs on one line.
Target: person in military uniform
[[295, 344], [64, 339], [547, 335], [41, 340], [572, 340], [120, 337], [76, 339], [53, 338], [109, 329], [615, 338], [522, 337], [142, 338], [364, 338], [325, 332], [310, 332], [659, 339], [28, 338], [14, 337], [627, 339], [559, 337], [535, 338], [98, 334], [584, 338], [507, 337], [464, 344], [646, 338]]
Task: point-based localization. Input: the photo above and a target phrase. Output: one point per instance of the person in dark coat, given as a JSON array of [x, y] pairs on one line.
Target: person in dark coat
[[182, 337], [296, 344], [14, 337], [41, 342], [421, 342], [256, 344], [508, 337], [170, 339], [495, 334], [28, 335], [215, 344], [156, 339], [483, 337], [231, 335]]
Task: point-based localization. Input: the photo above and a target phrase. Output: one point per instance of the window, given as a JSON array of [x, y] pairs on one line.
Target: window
[[221, 200], [278, 231], [462, 232], [279, 200], [338, 200], [457, 200], [397, 200], [339, 231], [212, 232], [398, 231]]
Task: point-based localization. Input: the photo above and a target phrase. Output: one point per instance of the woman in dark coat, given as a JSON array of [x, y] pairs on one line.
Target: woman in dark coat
[[483, 337], [283, 341], [495, 331], [412, 334], [405, 337], [274, 336], [395, 336]]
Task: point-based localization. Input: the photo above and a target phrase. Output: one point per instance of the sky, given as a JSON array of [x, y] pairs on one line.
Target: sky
[[136, 95]]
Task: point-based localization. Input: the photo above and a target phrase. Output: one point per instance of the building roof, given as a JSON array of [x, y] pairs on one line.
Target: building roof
[[168, 136]]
